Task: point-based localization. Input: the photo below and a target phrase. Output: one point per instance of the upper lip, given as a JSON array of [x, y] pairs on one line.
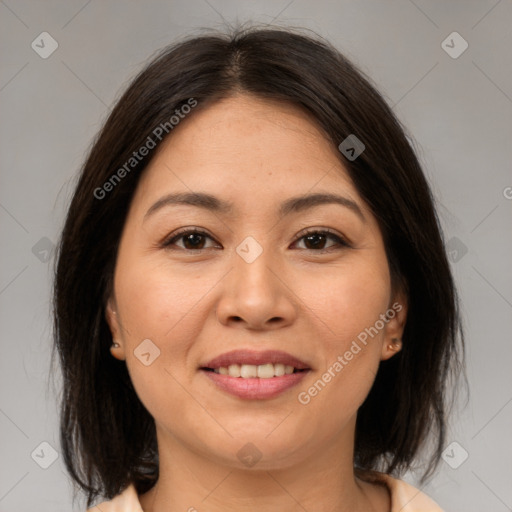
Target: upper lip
[[246, 356]]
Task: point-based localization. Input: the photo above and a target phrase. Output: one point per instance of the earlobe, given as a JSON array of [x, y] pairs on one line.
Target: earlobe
[[391, 348], [117, 351], [397, 314]]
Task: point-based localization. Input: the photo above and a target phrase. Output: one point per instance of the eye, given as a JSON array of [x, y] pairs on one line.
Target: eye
[[315, 240], [192, 238]]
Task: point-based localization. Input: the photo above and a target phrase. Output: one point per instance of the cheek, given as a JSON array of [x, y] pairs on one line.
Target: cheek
[[348, 306], [164, 306], [348, 301], [158, 301]]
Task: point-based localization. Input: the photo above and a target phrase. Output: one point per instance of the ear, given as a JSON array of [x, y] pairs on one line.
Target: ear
[[117, 348], [397, 316]]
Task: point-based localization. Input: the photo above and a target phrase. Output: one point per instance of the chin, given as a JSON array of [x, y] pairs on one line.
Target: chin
[[260, 448]]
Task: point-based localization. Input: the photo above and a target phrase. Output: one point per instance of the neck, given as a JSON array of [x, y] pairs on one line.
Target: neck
[[324, 481]]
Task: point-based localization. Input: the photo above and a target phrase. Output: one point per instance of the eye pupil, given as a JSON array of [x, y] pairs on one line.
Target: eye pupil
[[195, 239], [317, 236]]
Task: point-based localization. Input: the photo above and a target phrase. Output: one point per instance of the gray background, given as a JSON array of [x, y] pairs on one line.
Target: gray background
[[458, 110]]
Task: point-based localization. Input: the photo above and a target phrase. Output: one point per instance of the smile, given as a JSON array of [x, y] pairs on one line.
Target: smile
[[250, 371], [254, 375]]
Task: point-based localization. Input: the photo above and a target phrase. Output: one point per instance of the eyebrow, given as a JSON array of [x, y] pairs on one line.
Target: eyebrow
[[217, 205]]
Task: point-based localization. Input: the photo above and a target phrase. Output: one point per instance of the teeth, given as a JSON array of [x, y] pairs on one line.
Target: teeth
[[233, 370], [279, 370], [265, 371], [248, 371], [251, 371]]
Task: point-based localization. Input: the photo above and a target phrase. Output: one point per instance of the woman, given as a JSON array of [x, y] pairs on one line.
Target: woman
[[253, 305]]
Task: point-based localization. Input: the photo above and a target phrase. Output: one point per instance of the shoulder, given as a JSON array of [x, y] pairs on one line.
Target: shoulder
[[405, 497], [127, 501]]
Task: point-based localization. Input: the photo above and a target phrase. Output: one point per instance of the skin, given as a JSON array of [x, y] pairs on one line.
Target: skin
[[195, 305]]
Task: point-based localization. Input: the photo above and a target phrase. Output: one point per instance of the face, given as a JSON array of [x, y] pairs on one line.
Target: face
[[283, 280]]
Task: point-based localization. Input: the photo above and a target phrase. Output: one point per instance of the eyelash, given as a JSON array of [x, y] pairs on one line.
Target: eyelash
[[342, 243]]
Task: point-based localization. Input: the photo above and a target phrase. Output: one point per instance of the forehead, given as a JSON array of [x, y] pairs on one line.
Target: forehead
[[233, 126], [244, 146]]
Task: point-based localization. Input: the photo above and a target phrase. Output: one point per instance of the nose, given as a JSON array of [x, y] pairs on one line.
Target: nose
[[256, 296]]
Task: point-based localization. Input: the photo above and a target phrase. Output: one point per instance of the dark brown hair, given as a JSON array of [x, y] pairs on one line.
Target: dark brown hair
[[108, 437]]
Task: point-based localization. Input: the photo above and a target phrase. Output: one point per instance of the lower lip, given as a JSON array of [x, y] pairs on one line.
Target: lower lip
[[256, 388]]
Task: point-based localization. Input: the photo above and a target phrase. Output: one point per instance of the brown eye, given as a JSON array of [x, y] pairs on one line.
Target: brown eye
[[191, 240], [316, 240]]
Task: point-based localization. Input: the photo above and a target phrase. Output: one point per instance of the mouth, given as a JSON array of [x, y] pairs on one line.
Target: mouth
[[255, 375]]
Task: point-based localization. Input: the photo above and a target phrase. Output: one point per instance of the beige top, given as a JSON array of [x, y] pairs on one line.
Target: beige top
[[404, 498]]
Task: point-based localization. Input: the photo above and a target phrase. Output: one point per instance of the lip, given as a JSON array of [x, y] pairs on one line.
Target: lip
[[255, 389], [246, 356]]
